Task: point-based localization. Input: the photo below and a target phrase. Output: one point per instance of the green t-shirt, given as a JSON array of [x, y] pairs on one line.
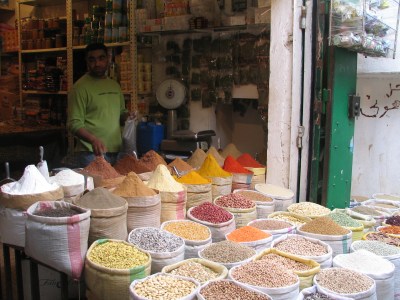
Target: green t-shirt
[[96, 104]]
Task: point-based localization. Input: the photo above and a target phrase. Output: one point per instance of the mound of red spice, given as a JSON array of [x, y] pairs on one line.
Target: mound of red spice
[[246, 160], [232, 165]]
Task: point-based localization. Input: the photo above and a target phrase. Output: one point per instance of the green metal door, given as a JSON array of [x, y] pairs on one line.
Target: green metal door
[[335, 75]]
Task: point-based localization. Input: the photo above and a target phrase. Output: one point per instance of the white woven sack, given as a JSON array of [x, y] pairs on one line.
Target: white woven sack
[[325, 261], [340, 244], [258, 245], [369, 294], [276, 233], [242, 178], [173, 205], [282, 293], [135, 296], [144, 211], [228, 265], [314, 289], [385, 196], [201, 297], [195, 199], [375, 202], [283, 204], [58, 242], [384, 280], [12, 226], [218, 231]]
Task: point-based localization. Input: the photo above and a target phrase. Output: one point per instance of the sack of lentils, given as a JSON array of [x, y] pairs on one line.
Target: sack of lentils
[[199, 269], [198, 188], [218, 220], [111, 266], [252, 237], [346, 221], [243, 209], [264, 205], [313, 293], [344, 282], [57, 235], [267, 277], [372, 265], [241, 177], [389, 252], [289, 217], [164, 247], [195, 235], [276, 228], [382, 237], [173, 194], [144, 203], [221, 180], [283, 196], [309, 209], [305, 247], [164, 286], [108, 214], [367, 221], [229, 289], [304, 268], [227, 253], [16, 197], [328, 231]]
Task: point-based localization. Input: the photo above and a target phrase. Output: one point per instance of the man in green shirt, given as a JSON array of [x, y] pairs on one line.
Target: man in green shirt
[[96, 110]]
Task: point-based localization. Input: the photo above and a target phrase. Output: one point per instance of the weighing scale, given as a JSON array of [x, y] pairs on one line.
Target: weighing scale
[[171, 94]]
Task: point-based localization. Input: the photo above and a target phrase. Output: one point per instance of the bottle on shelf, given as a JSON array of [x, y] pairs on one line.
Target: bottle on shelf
[[87, 31]]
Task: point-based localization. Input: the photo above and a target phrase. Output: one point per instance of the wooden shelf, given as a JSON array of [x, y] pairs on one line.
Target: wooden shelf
[[35, 92], [42, 2], [110, 45], [44, 50], [5, 8]]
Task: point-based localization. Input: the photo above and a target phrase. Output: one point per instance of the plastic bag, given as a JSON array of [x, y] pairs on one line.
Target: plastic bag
[[129, 136]]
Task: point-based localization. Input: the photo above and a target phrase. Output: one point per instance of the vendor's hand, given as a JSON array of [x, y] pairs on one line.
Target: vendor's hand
[[132, 115], [98, 147]]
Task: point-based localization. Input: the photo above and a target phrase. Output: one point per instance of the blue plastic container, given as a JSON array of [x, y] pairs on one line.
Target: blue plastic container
[[149, 137]]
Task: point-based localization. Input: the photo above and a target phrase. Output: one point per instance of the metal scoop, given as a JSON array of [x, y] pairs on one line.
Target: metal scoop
[[8, 179], [42, 165]]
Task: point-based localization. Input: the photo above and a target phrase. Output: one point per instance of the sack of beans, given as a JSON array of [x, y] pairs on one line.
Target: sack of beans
[[164, 247], [304, 268], [372, 265], [382, 237], [264, 205], [389, 252], [173, 194], [309, 209], [195, 235], [384, 205], [164, 286], [243, 209], [289, 217], [283, 196], [221, 180], [229, 289], [57, 235], [144, 203], [198, 188], [267, 277], [314, 293], [328, 231], [111, 266], [344, 282], [276, 228], [348, 222], [218, 220], [108, 214], [305, 247], [227, 253], [199, 269], [364, 212], [252, 237]]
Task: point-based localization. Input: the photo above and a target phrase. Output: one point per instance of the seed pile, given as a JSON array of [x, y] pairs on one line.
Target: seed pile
[[298, 245], [116, 255], [286, 262], [211, 213], [227, 252], [264, 274], [56, 212], [393, 220], [247, 234], [317, 296], [270, 224], [188, 230], [383, 237], [195, 270], [228, 290], [344, 220], [234, 201], [390, 229], [162, 287], [376, 247], [155, 240], [365, 210], [288, 218], [255, 196], [324, 225], [337, 280], [308, 209]]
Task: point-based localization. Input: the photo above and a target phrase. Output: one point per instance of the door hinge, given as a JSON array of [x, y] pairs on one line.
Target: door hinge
[[300, 134], [303, 17]]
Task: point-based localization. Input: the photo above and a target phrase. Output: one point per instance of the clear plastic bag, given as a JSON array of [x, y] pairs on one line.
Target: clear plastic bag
[[129, 136]]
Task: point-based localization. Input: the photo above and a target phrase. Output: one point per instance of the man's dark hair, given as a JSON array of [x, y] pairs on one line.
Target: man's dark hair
[[95, 46]]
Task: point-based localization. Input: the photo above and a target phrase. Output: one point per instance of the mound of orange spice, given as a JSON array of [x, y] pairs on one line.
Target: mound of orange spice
[[390, 229], [247, 234]]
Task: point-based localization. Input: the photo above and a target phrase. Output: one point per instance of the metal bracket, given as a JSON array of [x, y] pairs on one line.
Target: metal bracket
[[354, 106], [303, 17], [300, 134]]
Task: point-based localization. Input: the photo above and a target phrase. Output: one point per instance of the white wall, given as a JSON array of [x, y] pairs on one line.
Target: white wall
[[376, 161]]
